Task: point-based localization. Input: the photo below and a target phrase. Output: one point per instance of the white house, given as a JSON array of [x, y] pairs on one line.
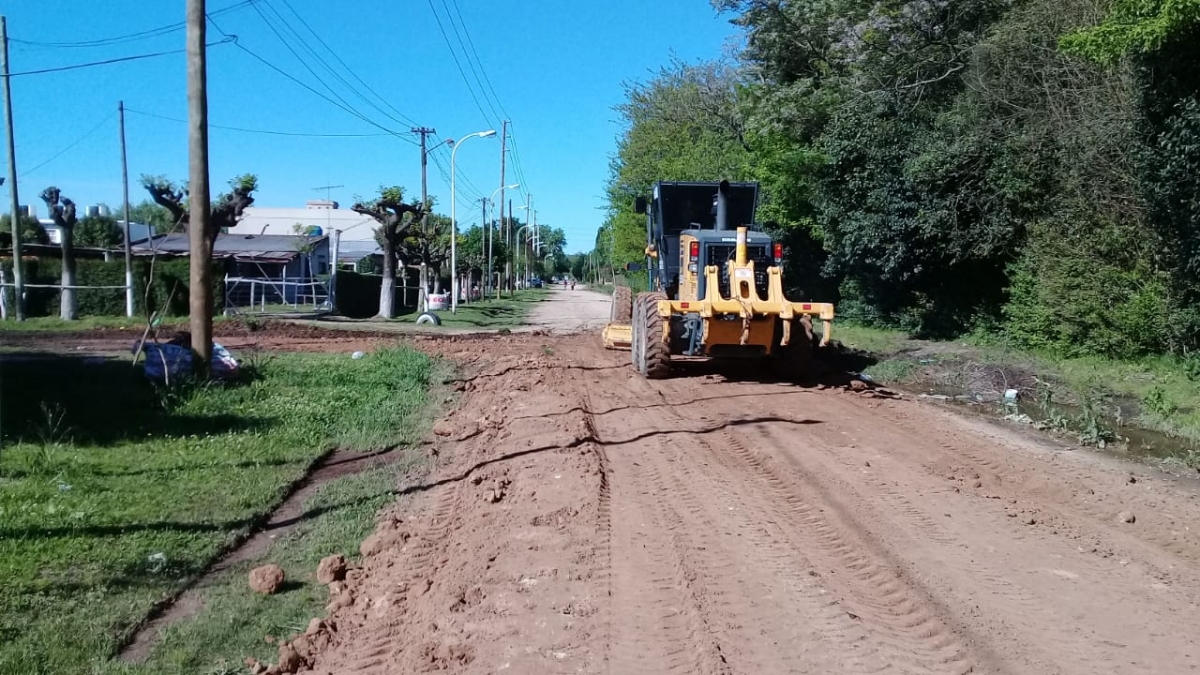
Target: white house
[[324, 216]]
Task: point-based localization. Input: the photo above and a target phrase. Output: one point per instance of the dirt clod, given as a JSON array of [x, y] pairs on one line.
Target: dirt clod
[[443, 428], [289, 659], [331, 569], [266, 579], [1127, 517]]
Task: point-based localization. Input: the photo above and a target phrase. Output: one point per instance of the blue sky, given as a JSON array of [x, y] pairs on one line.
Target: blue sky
[[556, 70]]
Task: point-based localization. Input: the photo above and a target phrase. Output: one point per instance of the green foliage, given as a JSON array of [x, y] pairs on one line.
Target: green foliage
[[1133, 26], [98, 232], [32, 232], [168, 286]]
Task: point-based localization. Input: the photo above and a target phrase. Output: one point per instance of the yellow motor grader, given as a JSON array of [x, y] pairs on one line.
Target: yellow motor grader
[[713, 290]]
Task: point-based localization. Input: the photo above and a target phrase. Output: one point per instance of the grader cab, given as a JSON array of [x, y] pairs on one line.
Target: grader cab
[[715, 286]]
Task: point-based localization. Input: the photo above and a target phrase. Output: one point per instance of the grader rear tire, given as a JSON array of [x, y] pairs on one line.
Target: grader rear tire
[[652, 355], [622, 305]]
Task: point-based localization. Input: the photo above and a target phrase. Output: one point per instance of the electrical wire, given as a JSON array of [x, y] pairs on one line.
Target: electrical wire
[[324, 64], [470, 64], [291, 77], [457, 63], [67, 149], [346, 66], [132, 37], [258, 131], [479, 61], [106, 62]]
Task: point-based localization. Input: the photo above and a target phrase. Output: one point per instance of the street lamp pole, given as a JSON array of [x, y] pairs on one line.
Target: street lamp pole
[[490, 235], [453, 216]]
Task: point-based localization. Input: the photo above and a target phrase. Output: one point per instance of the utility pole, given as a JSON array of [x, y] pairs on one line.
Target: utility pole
[[128, 243], [423, 299], [503, 156], [200, 297], [15, 218]]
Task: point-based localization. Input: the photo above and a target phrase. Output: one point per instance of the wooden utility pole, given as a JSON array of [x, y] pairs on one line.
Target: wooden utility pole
[[128, 243], [199, 208], [15, 219], [503, 223]]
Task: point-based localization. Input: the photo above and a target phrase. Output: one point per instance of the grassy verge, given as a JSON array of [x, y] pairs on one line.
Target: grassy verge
[[114, 493], [501, 313], [1095, 399]]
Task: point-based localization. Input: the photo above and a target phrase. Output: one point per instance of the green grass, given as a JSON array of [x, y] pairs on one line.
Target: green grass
[[502, 313], [86, 323], [113, 493], [877, 341]]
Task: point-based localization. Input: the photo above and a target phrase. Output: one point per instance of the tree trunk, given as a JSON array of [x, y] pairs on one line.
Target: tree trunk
[[387, 289], [69, 302]]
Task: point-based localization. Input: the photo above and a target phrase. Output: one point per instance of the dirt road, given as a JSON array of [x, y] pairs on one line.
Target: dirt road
[[583, 520]]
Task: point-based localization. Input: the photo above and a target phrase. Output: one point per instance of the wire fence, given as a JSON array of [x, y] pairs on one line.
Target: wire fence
[[261, 295]]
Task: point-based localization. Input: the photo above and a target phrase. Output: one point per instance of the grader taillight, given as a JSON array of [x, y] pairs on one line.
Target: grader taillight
[[694, 251], [778, 250]]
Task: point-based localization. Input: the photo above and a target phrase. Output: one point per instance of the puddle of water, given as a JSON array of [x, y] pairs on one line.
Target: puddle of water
[[1133, 441]]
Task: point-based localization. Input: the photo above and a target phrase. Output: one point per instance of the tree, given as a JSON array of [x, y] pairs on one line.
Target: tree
[[147, 212], [227, 209], [32, 231], [62, 211], [98, 232], [1133, 26], [428, 248], [396, 220]]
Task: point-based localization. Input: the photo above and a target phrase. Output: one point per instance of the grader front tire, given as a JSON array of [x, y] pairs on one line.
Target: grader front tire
[[622, 305], [652, 355]]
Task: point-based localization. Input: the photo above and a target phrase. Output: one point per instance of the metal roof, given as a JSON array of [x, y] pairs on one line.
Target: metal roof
[[263, 248]]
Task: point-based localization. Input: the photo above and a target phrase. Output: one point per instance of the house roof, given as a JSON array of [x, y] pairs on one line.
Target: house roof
[[264, 248], [273, 221]]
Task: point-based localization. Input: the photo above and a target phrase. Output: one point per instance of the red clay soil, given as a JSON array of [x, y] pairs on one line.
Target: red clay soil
[[581, 519]]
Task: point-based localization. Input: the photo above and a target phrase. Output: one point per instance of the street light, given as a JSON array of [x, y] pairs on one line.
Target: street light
[[492, 200], [453, 221]]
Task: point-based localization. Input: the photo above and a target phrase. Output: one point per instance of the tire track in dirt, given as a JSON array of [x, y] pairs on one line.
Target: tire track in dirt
[[1170, 550], [1086, 499], [905, 621], [1019, 607], [793, 624], [656, 627]]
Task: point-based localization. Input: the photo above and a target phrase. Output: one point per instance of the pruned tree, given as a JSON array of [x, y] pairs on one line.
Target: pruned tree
[[397, 220], [62, 212], [428, 248], [226, 210]]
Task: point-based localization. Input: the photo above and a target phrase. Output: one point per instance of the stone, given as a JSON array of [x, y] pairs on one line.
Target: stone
[[1127, 517], [266, 579]]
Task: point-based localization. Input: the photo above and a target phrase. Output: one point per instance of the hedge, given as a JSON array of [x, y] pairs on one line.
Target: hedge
[[358, 295], [168, 274]]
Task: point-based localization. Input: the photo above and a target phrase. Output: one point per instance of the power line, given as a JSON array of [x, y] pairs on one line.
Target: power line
[[479, 61], [344, 64], [111, 61], [457, 63], [291, 77], [64, 151], [258, 131], [470, 64], [132, 37]]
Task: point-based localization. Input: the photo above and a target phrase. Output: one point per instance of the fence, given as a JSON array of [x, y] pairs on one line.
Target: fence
[[263, 295]]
